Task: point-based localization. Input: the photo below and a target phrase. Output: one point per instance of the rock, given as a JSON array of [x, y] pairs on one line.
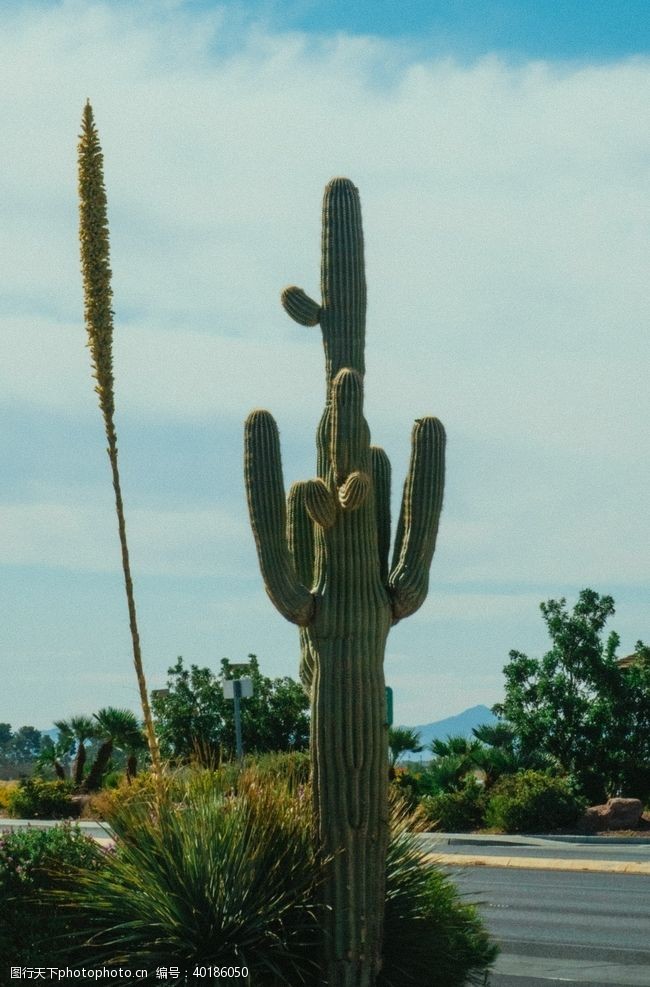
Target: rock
[[617, 813]]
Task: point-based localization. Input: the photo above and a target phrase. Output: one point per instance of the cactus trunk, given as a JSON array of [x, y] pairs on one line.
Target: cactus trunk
[[324, 559]]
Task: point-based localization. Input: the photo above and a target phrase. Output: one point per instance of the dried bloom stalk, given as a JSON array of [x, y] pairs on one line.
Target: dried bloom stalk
[[98, 294]]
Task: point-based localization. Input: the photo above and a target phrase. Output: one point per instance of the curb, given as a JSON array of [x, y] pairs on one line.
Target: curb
[[538, 863]]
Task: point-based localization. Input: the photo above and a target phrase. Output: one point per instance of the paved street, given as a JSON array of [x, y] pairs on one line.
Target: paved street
[[582, 928]]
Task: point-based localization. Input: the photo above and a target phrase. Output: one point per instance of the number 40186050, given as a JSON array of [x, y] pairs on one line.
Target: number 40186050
[[220, 971]]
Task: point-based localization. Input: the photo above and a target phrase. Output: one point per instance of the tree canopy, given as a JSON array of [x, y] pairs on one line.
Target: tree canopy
[[577, 707], [195, 720]]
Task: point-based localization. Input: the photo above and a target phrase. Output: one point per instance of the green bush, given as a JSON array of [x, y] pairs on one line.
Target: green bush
[[431, 936], [29, 861], [407, 785], [36, 798], [457, 811], [532, 801]]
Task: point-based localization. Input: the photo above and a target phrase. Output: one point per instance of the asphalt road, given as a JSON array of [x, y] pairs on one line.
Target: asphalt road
[[582, 928]]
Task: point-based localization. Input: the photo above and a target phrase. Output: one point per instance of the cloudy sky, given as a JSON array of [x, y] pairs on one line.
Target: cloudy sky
[[502, 154]]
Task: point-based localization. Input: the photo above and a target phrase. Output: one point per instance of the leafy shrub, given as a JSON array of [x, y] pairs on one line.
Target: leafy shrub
[[36, 798], [407, 785], [102, 804], [456, 811], [6, 788], [532, 801], [29, 860]]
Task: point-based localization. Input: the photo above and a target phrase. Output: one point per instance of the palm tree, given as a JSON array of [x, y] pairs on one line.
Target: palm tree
[[401, 740], [455, 759], [116, 728], [499, 753], [78, 729], [51, 753]]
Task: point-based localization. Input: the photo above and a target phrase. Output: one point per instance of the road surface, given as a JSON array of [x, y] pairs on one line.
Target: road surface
[[583, 928]]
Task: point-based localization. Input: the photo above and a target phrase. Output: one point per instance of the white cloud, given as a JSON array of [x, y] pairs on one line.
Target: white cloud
[[70, 536]]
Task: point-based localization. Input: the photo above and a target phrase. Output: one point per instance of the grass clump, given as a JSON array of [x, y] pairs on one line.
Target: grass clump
[[206, 875]]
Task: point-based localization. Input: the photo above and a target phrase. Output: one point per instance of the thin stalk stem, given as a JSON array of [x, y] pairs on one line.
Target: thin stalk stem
[[152, 740]]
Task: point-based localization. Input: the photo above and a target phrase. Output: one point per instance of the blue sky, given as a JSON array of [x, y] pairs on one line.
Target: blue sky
[[582, 29], [502, 154]]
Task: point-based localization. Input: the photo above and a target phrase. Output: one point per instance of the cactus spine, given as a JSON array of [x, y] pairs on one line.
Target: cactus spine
[[324, 560]]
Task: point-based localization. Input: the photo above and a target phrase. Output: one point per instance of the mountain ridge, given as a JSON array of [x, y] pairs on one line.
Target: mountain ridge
[[461, 724]]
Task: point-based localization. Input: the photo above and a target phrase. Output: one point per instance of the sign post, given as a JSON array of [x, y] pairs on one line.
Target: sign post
[[238, 689], [389, 706]]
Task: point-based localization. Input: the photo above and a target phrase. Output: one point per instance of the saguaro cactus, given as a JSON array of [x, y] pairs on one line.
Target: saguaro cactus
[[324, 559]]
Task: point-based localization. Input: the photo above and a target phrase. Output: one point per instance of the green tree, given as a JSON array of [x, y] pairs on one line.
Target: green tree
[[19, 749], [453, 762], [74, 733], [54, 756], [500, 753], [576, 707], [116, 728], [402, 740], [195, 720]]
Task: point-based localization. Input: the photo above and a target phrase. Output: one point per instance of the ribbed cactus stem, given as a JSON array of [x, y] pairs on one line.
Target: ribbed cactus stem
[[330, 575], [266, 503]]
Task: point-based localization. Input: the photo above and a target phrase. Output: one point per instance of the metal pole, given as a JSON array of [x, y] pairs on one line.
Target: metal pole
[[236, 687]]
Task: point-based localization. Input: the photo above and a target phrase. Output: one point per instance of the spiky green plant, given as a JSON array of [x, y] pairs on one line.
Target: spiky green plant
[[324, 560], [205, 875], [98, 294]]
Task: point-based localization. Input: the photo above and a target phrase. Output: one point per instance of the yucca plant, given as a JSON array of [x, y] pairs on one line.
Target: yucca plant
[[204, 875], [433, 937], [98, 294]]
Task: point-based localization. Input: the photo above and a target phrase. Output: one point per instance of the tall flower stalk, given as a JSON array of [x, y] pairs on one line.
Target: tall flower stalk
[[98, 294]]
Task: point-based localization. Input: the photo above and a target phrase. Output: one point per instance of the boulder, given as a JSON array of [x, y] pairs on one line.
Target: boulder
[[617, 813]]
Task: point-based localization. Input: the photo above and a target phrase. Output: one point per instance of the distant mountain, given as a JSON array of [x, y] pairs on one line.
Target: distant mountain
[[454, 726]]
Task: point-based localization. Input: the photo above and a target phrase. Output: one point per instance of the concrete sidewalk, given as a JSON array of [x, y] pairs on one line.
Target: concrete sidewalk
[[597, 846]]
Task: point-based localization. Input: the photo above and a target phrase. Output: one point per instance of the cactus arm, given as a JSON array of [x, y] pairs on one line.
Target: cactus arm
[[350, 437], [300, 306], [265, 490], [300, 533], [381, 485], [320, 503], [418, 522], [300, 539]]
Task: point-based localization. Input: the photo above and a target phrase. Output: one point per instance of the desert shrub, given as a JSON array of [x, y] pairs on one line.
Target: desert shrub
[[101, 805], [532, 801], [205, 876], [35, 798], [457, 811], [31, 862], [407, 785], [432, 937], [6, 788]]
